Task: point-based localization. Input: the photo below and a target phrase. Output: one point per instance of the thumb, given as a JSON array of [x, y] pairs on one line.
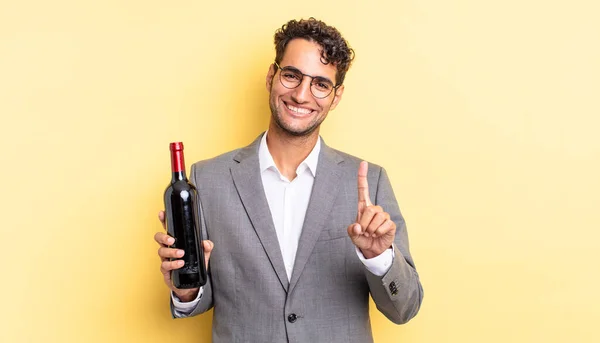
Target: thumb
[[208, 247], [354, 230], [161, 217]]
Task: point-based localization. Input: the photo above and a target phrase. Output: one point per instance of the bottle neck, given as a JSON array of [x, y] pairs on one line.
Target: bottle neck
[[177, 166], [178, 176]]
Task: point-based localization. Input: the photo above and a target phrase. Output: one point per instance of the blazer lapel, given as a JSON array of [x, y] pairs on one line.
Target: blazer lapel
[[324, 192], [248, 182]]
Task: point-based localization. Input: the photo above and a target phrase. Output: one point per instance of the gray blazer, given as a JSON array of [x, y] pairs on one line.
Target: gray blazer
[[327, 298]]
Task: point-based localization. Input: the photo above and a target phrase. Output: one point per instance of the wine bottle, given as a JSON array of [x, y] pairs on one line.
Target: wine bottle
[[183, 223]]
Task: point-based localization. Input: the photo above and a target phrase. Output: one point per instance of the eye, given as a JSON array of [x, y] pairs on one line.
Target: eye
[[323, 85], [290, 75]]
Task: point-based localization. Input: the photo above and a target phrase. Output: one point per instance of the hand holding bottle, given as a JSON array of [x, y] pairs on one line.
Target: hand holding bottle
[[166, 254]]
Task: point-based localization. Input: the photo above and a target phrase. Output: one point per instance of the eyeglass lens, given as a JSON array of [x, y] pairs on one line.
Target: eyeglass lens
[[319, 86]]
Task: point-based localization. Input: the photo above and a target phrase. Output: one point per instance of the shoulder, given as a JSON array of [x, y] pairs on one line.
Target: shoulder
[[349, 163], [222, 163], [216, 164]]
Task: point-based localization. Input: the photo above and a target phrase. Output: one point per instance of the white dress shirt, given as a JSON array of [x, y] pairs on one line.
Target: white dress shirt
[[288, 202]]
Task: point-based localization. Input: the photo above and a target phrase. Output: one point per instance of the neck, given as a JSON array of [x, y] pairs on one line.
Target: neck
[[289, 151]]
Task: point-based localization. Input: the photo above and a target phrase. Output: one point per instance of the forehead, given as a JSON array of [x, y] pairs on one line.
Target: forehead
[[306, 56]]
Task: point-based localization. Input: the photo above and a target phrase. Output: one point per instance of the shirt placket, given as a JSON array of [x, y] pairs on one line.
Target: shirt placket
[[288, 226]]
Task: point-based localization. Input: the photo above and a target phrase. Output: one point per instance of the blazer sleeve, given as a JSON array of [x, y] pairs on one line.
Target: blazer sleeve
[[206, 300], [398, 294]]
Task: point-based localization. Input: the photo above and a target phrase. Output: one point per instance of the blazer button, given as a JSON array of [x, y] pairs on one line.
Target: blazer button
[[292, 318], [393, 288]]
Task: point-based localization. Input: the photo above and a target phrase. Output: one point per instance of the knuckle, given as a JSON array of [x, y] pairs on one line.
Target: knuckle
[[364, 222], [371, 228], [389, 226], [384, 227], [381, 216]]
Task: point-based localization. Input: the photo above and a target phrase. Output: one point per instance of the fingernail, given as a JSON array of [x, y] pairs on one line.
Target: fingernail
[[366, 234], [180, 253], [180, 263], [171, 241]]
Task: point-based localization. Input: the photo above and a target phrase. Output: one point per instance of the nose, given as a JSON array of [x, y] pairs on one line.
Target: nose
[[302, 93]]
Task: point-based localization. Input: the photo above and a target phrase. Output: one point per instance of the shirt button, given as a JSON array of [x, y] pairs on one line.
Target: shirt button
[[292, 318]]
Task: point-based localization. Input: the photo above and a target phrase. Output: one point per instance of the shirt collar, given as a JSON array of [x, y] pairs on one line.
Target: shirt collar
[[266, 159]]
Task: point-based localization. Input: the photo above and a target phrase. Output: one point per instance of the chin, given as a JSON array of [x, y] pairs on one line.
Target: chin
[[296, 131], [286, 128]]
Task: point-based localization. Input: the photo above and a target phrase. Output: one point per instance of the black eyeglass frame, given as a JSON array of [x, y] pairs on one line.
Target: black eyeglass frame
[[333, 90]]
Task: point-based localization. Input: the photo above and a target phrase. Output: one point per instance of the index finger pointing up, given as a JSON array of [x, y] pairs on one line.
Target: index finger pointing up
[[363, 187]]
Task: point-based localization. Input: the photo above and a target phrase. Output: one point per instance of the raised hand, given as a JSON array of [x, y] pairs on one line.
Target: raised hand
[[374, 231], [165, 253]]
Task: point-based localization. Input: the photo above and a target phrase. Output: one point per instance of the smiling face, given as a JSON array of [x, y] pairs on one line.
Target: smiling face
[[297, 112]]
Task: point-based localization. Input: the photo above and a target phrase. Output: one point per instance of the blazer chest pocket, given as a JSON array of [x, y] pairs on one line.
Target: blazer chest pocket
[[327, 235]]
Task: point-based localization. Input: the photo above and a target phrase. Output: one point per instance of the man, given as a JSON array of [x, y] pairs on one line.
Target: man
[[300, 234]]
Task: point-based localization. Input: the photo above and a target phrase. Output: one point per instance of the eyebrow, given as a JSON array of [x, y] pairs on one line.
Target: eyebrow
[[314, 77]]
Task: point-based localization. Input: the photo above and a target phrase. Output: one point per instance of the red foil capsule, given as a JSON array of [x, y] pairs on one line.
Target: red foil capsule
[[177, 162]]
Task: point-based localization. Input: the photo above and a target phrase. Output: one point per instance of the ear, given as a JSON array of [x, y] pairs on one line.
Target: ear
[[270, 75], [337, 97]]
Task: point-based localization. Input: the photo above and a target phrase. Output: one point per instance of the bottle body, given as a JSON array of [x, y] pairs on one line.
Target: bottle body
[[183, 223]]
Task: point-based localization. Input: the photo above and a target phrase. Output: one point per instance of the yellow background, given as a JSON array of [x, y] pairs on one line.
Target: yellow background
[[485, 113]]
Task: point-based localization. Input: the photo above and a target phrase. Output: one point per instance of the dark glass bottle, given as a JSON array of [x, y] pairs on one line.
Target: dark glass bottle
[[183, 223]]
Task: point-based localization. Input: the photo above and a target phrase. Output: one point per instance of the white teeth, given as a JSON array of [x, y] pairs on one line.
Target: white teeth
[[298, 109]]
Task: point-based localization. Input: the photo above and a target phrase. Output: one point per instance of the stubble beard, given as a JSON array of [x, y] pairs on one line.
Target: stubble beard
[[276, 116]]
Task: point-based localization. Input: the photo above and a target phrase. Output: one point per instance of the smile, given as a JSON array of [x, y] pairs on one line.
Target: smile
[[297, 110]]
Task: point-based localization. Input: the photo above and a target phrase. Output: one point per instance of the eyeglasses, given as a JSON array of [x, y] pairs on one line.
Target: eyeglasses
[[291, 78]]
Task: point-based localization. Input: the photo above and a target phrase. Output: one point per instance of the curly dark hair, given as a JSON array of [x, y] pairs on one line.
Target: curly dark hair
[[335, 48]]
